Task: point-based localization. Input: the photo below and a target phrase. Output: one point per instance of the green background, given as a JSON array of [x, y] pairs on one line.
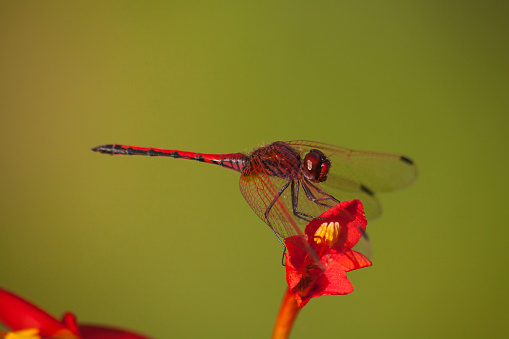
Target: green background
[[170, 247]]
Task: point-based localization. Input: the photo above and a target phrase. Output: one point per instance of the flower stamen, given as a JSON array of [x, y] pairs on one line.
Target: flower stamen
[[32, 333], [327, 233]]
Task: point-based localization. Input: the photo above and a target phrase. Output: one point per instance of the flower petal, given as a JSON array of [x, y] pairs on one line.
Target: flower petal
[[17, 314], [101, 332], [348, 260], [331, 236], [338, 282], [350, 215], [70, 321]]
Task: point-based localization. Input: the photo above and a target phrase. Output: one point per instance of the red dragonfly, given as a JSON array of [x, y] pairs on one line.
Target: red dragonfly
[[288, 183]]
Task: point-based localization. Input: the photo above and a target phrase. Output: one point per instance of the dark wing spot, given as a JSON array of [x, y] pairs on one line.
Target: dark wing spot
[[367, 190], [364, 233], [407, 160]]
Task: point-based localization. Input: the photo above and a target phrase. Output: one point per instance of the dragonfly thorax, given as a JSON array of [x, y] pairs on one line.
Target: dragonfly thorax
[[277, 159]]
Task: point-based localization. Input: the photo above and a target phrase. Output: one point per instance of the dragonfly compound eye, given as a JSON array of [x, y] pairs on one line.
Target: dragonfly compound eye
[[316, 166]]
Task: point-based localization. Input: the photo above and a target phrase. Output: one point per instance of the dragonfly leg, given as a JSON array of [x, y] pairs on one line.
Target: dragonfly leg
[[322, 192], [295, 203], [311, 197], [269, 208], [316, 200]]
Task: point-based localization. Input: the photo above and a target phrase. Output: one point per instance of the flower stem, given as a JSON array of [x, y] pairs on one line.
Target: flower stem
[[286, 317]]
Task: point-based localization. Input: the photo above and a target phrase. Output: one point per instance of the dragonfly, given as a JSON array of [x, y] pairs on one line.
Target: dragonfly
[[289, 183]]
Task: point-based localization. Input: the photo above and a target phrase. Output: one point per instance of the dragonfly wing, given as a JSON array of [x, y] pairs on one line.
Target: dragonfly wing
[[270, 197], [359, 175], [372, 206], [379, 172], [260, 190], [364, 246]]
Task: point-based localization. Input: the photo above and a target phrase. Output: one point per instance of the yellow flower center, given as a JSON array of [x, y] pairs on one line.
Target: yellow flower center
[[328, 233], [31, 333]]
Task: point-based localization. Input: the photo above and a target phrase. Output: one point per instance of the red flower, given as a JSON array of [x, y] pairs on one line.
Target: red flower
[[29, 321], [331, 237]]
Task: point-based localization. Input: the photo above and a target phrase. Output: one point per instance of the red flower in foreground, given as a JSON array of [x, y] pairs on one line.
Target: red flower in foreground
[[331, 237], [31, 322]]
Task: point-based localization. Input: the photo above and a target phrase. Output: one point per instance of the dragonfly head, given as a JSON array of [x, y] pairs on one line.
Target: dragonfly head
[[316, 166]]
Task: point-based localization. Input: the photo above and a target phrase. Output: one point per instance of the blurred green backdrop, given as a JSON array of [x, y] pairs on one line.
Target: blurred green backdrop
[[169, 247]]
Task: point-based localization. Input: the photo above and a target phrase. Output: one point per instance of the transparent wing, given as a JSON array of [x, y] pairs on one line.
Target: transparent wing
[[270, 197], [360, 175], [260, 191], [323, 202]]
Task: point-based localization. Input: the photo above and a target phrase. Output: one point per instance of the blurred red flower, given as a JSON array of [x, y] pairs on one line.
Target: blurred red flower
[[331, 237], [27, 320]]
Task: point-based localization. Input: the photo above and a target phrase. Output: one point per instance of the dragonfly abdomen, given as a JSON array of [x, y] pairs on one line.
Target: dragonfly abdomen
[[234, 161]]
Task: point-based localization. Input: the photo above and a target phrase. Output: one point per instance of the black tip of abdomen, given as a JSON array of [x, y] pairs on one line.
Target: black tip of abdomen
[[108, 149]]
